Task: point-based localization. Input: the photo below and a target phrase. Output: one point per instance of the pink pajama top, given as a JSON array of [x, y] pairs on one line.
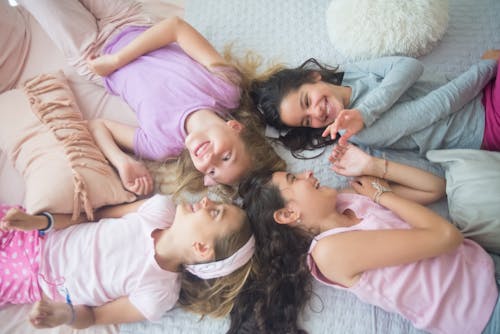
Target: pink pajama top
[[163, 87], [99, 262], [451, 293]]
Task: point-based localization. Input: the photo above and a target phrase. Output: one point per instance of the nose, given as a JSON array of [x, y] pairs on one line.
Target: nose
[[206, 164], [205, 202], [306, 175]]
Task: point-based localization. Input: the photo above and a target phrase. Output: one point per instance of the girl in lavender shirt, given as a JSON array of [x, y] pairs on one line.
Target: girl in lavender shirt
[[181, 89]]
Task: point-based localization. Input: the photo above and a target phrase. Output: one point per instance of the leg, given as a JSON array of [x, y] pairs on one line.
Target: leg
[[491, 102], [19, 275], [80, 30]]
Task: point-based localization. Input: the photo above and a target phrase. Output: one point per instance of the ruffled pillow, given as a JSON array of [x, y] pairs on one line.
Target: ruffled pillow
[[48, 142]]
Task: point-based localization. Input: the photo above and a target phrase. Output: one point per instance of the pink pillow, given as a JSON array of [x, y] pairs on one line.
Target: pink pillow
[[44, 135]]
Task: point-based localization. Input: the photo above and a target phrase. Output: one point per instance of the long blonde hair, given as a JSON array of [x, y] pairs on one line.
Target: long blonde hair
[[215, 297]]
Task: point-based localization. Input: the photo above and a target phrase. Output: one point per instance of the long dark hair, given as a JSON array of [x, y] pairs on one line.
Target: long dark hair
[[275, 294], [267, 95]]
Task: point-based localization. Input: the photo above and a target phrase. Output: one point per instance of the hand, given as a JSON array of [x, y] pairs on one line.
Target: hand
[[103, 65], [17, 219], [364, 185], [349, 120], [350, 160], [135, 177]]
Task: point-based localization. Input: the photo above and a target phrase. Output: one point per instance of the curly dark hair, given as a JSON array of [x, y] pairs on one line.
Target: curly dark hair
[[268, 94], [273, 297]]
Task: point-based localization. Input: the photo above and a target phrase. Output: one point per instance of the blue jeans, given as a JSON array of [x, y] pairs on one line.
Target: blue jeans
[[493, 326]]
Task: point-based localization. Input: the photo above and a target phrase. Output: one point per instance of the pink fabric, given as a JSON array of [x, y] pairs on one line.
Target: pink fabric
[[451, 293], [80, 28], [99, 262], [491, 102], [19, 265]]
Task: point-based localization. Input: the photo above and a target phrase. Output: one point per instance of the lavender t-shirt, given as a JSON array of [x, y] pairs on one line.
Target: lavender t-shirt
[[163, 87]]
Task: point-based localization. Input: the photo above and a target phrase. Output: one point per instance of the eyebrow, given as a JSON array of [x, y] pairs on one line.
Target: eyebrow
[[223, 211], [301, 100]]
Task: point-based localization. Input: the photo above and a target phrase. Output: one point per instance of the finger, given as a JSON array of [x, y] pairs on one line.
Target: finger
[[326, 132]]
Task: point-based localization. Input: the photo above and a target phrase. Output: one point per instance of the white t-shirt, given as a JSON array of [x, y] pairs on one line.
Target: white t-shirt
[[99, 262]]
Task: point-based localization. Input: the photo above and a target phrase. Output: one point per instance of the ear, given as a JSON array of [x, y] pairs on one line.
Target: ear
[[203, 252], [235, 125], [286, 215], [208, 181]]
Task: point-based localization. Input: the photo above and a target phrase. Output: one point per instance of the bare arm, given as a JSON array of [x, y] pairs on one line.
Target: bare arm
[[116, 312], [343, 257], [163, 33], [48, 314], [18, 219], [407, 181], [111, 137]]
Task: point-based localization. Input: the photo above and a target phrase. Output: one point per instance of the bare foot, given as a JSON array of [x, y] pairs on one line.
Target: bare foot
[[491, 54], [135, 177], [47, 314]]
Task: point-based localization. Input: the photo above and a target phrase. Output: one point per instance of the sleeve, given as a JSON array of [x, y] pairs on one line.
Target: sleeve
[[409, 117], [153, 302], [397, 74]]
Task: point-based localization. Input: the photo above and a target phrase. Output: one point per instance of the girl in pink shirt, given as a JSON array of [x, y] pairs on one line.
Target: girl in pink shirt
[[376, 240], [125, 269], [181, 89]]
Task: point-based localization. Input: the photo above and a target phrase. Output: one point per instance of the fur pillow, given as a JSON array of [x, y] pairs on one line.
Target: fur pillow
[[44, 135], [365, 29], [473, 190]]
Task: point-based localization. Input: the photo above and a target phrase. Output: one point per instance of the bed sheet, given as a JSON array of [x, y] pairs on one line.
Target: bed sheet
[[258, 25]]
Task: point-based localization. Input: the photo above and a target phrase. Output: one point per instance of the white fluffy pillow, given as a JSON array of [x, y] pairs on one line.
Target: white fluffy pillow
[[473, 190], [365, 29]]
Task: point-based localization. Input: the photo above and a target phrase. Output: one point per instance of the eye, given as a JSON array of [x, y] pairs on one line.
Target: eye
[[211, 172], [214, 213], [306, 101], [306, 122], [226, 156], [293, 178]]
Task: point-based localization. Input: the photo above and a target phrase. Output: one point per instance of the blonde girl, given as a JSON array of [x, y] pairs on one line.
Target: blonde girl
[[133, 267], [181, 89]]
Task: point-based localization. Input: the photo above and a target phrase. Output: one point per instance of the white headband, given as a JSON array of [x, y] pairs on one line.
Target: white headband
[[224, 267]]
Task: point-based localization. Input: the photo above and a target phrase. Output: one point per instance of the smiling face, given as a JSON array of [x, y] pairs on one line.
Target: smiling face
[[207, 221], [220, 152], [312, 105], [304, 195]]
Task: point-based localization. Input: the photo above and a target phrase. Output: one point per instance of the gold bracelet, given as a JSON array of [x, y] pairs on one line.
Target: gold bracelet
[[380, 190]]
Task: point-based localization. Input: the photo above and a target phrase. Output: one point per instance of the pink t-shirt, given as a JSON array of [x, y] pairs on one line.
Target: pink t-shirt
[[163, 87], [450, 293], [100, 262]]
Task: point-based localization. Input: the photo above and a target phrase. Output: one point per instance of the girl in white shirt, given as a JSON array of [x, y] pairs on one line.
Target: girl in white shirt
[[125, 269]]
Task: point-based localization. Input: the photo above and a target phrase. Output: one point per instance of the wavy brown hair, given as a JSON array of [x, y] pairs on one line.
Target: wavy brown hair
[[268, 90], [278, 291]]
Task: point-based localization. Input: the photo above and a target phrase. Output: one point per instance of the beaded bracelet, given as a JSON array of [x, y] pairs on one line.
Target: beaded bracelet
[[73, 315], [50, 224], [380, 190]]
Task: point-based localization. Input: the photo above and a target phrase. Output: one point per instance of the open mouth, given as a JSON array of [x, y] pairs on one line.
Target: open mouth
[[201, 149]]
